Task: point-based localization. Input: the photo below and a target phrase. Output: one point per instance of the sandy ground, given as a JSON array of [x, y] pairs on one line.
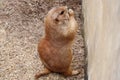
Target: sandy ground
[[21, 27]]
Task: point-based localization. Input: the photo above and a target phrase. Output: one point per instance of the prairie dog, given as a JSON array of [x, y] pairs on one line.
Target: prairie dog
[[55, 48]]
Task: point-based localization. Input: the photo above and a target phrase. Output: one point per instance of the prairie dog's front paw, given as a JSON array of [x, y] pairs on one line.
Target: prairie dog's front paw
[[71, 12]]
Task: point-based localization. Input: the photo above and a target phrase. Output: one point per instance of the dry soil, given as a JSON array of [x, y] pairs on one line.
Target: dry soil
[[21, 27]]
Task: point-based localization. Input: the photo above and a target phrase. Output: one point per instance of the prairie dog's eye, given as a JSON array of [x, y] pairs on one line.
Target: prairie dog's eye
[[62, 12]]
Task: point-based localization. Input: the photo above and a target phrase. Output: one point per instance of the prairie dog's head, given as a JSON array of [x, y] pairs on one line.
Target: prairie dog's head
[[58, 15]]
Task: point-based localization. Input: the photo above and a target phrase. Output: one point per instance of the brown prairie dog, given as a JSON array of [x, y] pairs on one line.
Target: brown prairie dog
[[55, 48]]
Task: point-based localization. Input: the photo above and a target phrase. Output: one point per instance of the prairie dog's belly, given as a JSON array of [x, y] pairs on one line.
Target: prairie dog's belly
[[56, 59]]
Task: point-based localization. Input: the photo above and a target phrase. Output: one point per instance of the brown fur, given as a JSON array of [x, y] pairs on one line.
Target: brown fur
[[55, 48]]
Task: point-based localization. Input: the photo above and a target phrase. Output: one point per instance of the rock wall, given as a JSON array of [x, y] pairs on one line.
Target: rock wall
[[102, 36]]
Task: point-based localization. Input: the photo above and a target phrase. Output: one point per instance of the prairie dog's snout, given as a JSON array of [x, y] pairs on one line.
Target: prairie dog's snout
[[69, 11]]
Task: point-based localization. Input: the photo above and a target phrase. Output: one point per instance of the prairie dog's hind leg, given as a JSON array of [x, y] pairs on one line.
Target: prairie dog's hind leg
[[71, 72], [42, 73]]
